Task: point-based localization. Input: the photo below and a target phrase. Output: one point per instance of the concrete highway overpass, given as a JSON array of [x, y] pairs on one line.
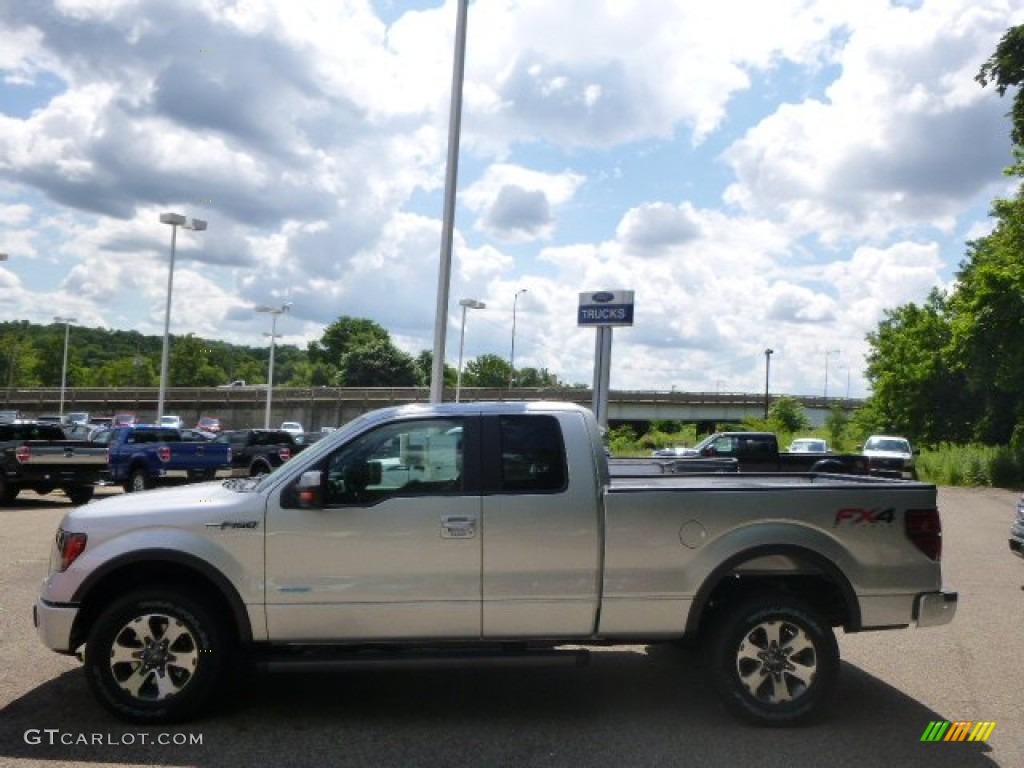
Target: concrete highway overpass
[[317, 407]]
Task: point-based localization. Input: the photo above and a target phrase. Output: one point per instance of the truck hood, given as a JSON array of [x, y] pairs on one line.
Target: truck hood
[[180, 506]]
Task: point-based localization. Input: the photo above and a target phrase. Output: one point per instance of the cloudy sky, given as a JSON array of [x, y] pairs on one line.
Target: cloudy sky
[[760, 174]]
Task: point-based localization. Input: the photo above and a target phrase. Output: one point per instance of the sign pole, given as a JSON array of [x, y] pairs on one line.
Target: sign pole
[[602, 373], [602, 310]]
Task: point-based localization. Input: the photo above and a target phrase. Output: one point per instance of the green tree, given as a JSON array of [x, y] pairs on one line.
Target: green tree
[[788, 415], [342, 335], [1005, 68], [135, 371], [486, 371], [189, 364], [915, 390], [425, 366], [374, 362], [533, 377], [836, 422]]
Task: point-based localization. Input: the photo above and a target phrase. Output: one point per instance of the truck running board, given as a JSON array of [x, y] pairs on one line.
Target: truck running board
[[321, 661]]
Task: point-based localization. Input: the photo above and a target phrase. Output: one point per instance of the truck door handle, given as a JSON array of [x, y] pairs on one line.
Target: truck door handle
[[453, 527]]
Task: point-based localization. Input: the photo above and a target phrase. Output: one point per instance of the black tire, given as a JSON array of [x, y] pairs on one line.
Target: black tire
[[8, 492], [259, 468], [138, 480], [156, 657], [773, 660], [80, 494]]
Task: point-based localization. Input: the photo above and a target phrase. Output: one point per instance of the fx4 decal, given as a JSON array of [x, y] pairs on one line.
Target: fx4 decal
[[861, 516]]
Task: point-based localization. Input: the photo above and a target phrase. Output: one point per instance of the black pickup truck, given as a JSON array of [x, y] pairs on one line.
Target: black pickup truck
[[39, 458], [759, 452], [258, 451]]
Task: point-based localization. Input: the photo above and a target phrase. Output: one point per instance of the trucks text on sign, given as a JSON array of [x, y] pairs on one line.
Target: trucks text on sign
[[607, 308]]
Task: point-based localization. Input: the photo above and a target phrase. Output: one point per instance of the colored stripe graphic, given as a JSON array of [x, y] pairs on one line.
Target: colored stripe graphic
[[982, 730], [959, 730]]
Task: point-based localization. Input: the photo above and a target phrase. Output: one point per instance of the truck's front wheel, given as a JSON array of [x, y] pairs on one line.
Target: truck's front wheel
[[773, 660], [155, 657]]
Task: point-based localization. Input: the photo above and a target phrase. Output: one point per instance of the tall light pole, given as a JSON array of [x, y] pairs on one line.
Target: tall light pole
[[448, 216], [512, 355], [767, 369], [64, 369], [465, 304], [274, 312], [828, 354], [175, 220]]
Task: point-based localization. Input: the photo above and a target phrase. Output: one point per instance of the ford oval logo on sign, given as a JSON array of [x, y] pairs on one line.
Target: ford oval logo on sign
[[605, 308]]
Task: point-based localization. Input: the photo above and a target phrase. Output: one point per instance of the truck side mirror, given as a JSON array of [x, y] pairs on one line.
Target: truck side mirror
[[309, 490]]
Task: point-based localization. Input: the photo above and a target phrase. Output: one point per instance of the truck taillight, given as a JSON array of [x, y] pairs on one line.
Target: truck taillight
[[23, 454], [285, 453], [69, 547], [924, 529], [164, 453]]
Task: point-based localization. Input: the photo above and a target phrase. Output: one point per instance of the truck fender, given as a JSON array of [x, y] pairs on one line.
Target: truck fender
[[184, 562], [732, 566]]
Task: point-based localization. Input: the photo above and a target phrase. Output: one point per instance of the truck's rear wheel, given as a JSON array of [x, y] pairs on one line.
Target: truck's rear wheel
[[138, 481], [258, 469], [155, 657], [80, 494], [773, 660]]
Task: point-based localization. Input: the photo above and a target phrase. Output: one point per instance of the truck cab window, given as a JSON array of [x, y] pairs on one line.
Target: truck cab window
[[532, 454], [409, 458]]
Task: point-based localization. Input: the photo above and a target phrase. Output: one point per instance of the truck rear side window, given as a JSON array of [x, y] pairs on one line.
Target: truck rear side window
[[532, 454]]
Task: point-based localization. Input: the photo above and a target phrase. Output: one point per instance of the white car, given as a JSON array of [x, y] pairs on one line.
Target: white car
[[170, 421], [292, 426], [890, 456], [808, 445]]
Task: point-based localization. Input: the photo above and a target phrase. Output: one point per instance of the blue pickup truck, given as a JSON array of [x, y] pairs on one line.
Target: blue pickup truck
[[140, 457]]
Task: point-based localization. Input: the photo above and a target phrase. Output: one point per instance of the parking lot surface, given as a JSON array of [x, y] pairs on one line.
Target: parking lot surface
[[633, 706]]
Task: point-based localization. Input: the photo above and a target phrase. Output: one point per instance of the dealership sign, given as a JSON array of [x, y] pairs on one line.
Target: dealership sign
[[605, 308]]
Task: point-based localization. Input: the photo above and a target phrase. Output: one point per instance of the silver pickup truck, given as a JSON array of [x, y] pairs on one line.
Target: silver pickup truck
[[469, 532]]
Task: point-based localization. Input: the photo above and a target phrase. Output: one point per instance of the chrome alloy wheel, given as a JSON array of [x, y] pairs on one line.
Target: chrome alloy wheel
[[776, 662], [154, 656]]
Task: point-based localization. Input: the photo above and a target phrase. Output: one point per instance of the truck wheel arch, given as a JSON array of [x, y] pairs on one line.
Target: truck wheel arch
[[727, 582], [158, 567]]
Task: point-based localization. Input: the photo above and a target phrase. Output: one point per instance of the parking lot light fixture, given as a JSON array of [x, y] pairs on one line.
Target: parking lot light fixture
[[512, 355], [175, 220], [64, 368], [465, 304], [274, 312]]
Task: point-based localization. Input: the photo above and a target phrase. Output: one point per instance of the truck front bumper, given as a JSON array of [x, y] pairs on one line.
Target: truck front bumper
[[53, 622], [933, 609]]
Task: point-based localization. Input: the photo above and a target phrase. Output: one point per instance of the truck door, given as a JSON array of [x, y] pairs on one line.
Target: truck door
[[396, 551], [541, 556]]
